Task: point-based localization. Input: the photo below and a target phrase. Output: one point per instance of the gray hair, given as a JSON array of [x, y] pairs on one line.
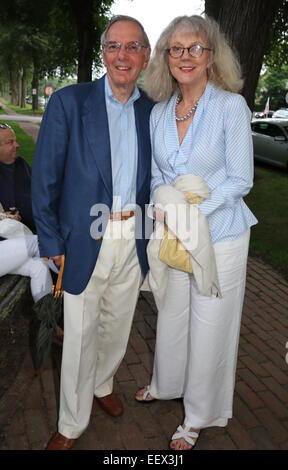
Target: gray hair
[[117, 18], [224, 71]]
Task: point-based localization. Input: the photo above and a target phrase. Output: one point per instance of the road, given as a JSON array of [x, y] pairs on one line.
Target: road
[[20, 118]]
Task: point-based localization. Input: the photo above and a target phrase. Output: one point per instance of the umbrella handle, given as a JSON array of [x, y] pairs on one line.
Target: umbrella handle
[[58, 287]]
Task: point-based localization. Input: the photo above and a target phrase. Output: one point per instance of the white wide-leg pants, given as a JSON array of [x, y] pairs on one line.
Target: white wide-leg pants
[[21, 256], [197, 339], [97, 325]]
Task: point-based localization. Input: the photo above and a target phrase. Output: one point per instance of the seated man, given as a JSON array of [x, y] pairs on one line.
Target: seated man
[[15, 178], [19, 255]]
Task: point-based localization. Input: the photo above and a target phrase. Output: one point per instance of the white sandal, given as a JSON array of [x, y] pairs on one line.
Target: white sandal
[[144, 398], [183, 433]]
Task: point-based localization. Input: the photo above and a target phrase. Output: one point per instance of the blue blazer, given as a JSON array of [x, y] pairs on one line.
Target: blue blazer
[[71, 172]]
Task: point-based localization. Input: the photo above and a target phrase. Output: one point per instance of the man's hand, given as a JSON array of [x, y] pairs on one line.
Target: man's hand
[[57, 259], [13, 213]]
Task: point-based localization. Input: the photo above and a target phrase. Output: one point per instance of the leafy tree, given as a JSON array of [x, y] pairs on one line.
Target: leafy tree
[[277, 52], [61, 35], [14, 45], [90, 18], [274, 84], [24, 42]]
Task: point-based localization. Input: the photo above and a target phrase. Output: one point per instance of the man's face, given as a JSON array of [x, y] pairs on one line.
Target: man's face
[[8, 146], [123, 68]]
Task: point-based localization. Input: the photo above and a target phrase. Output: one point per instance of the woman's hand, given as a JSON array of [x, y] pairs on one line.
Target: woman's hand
[[158, 214]]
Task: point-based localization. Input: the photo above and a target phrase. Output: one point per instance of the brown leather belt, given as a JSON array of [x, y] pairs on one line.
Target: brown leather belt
[[121, 215]]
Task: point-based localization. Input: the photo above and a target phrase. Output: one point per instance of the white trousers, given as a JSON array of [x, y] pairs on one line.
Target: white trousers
[[97, 325], [197, 339], [21, 256]]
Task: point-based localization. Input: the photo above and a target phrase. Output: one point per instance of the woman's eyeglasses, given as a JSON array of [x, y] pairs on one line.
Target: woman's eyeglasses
[[196, 51]]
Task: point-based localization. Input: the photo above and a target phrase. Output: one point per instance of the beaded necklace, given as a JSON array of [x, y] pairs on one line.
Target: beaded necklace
[[187, 115]]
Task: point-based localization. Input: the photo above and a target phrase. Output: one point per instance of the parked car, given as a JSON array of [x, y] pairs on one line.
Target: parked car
[[259, 114], [281, 114], [270, 141], [41, 101]]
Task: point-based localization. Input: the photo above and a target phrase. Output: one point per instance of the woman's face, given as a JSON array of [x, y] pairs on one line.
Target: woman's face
[[188, 70]]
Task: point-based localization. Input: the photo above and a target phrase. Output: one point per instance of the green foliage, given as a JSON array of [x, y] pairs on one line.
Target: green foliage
[[273, 83], [30, 35], [45, 34], [268, 200], [101, 19], [278, 50], [56, 82], [62, 57]]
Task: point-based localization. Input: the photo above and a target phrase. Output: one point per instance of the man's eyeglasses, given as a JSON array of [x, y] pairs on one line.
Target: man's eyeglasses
[[196, 51], [5, 126], [132, 47]]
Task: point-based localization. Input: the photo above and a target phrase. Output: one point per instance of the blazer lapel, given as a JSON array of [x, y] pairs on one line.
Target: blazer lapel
[[95, 124]]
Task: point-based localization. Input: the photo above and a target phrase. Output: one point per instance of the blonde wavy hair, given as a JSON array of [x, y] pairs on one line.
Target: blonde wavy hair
[[225, 70]]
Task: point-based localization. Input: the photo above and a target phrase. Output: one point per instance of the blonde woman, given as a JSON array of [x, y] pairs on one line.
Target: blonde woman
[[201, 126]]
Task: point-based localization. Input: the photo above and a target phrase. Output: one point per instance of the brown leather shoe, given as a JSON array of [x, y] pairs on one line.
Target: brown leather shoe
[[111, 404], [60, 442]]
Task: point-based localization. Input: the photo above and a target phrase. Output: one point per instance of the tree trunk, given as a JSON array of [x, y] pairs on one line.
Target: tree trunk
[[19, 78], [23, 88], [83, 13], [13, 75], [246, 25], [35, 85], [212, 8]]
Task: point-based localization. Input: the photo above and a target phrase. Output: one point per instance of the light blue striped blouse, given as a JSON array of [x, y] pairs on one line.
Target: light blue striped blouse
[[217, 146]]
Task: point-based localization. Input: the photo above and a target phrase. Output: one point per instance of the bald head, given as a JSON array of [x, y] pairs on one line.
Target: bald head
[[8, 145]]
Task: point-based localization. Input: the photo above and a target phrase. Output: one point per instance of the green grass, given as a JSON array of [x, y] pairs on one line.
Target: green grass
[[26, 143], [1, 110], [28, 110], [268, 200]]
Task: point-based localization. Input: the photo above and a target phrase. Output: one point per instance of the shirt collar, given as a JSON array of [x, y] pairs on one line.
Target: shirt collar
[[208, 93], [9, 166], [111, 98]]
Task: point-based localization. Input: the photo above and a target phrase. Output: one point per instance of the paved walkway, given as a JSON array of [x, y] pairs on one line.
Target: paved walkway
[[31, 128], [28, 410]]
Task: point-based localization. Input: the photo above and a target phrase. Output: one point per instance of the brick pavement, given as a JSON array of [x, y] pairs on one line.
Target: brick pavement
[[28, 411]]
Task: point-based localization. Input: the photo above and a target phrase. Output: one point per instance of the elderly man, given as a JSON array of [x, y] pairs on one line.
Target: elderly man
[[19, 255], [93, 157], [15, 179]]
